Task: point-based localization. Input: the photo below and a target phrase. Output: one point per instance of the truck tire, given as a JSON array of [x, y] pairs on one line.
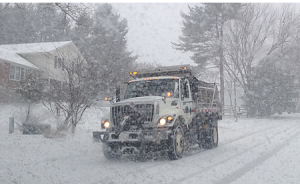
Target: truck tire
[[212, 138], [109, 151], [176, 143]]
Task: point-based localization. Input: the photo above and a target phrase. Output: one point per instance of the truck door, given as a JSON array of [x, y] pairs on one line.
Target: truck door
[[186, 100]]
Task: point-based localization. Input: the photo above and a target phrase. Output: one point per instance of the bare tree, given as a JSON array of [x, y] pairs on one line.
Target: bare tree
[[70, 98], [3, 6], [264, 33], [74, 11], [203, 34]]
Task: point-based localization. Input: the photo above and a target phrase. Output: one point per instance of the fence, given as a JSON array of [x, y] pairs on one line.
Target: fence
[[231, 111]]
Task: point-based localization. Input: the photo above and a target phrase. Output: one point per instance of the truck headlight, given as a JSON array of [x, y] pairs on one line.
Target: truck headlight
[[167, 119], [105, 124], [162, 121]]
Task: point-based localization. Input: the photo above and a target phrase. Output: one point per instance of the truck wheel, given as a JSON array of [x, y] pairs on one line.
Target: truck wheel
[[177, 144], [110, 152], [212, 138]]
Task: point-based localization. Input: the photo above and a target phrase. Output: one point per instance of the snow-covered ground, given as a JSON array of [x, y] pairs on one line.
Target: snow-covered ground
[[249, 151]]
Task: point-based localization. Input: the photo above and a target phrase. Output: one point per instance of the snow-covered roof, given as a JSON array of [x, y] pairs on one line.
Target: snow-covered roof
[[12, 52]]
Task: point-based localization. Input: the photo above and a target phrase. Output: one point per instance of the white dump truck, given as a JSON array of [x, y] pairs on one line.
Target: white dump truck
[[165, 110]]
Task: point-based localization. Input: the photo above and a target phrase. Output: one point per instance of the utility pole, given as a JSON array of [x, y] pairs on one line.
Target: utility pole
[[235, 111], [221, 69], [222, 80]]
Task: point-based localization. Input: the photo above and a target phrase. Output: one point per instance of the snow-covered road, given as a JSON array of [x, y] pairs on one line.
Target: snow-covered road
[[249, 151]]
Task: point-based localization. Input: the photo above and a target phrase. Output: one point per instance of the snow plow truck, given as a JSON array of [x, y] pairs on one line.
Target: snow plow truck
[[165, 110]]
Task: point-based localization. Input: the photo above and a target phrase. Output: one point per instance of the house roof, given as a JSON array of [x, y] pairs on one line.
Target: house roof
[[12, 52]]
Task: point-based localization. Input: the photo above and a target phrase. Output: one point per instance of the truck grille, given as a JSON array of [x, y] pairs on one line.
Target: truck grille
[[145, 112]]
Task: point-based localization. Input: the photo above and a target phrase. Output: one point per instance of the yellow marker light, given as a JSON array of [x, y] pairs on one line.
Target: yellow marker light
[[169, 94], [129, 81], [162, 121], [175, 77], [150, 78], [145, 79], [184, 67], [105, 98], [156, 78], [106, 124], [170, 118], [133, 73], [102, 121]]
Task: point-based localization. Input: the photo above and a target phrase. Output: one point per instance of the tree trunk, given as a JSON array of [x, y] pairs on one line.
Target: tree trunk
[[28, 112]]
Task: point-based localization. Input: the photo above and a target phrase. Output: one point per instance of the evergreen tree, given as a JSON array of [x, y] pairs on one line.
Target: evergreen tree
[[31, 90], [102, 41], [50, 25], [16, 24], [82, 34], [272, 91], [29, 23]]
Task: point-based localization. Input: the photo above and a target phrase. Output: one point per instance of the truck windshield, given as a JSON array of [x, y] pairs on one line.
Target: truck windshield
[[157, 87]]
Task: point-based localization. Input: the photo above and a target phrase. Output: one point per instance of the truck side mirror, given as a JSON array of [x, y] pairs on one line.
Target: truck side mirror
[[164, 97], [195, 96]]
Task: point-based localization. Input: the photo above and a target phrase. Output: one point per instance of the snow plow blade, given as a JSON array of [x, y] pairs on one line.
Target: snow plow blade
[[97, 135]]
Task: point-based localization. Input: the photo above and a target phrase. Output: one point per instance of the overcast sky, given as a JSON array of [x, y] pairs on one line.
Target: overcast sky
[[152, 28]]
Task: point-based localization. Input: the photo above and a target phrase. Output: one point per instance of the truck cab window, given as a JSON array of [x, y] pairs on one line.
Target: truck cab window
[[185, 89], [157, 87]]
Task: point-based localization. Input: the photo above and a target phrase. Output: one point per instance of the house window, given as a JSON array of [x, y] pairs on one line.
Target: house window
[[22, 73], [58, 63], [55, 62], [63, 64], [12, 72], [18, 73]]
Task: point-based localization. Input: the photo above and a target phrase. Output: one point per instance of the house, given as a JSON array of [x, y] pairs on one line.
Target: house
[[46, 60]]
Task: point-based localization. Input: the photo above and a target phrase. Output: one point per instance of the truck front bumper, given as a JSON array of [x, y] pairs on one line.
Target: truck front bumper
[[133, 136]]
